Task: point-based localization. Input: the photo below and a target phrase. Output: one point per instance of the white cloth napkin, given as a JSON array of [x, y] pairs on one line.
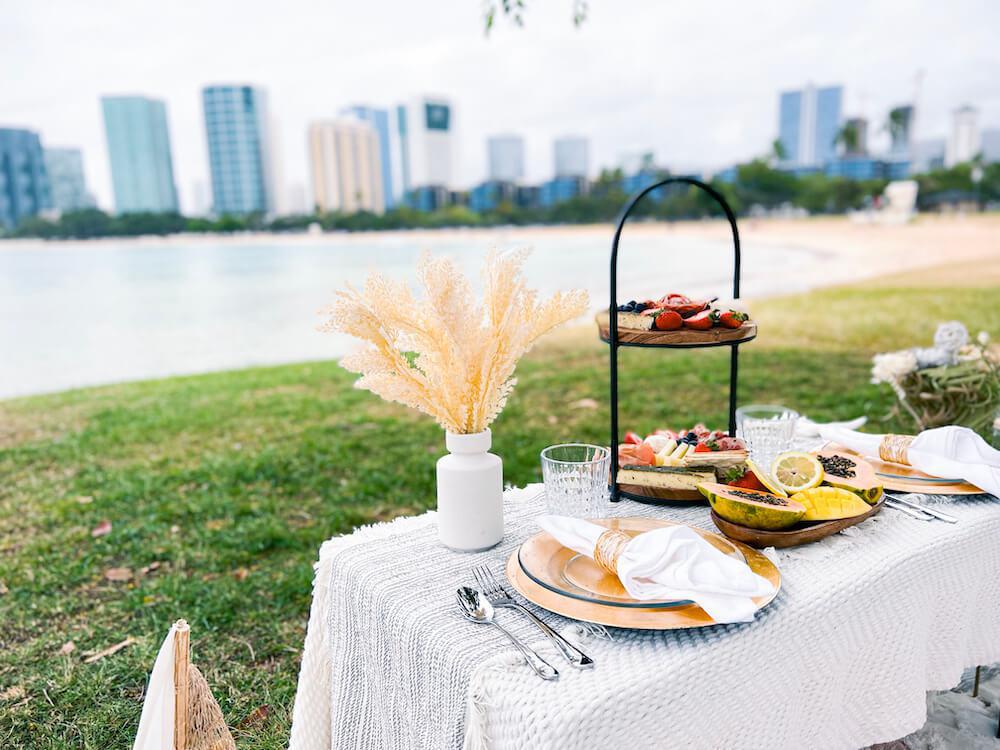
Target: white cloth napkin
[[949, 452], [674, 562], [156, 724], [805, 427]]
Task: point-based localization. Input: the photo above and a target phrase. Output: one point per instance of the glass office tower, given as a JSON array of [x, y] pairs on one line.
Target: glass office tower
[[142, 171], [24, 182], [239, 149]]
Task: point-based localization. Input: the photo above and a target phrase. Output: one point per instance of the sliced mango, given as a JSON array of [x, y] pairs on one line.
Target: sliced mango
[[830, 503]]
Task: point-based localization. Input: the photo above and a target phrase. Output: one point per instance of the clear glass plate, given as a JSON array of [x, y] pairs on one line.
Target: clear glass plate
[[563, 571]]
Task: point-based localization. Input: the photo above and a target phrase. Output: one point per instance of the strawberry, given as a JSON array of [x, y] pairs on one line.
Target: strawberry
[[668, 320], [681, 304], [631, 437], [702, 448], [701, 321], [732, 318], [748, 481]]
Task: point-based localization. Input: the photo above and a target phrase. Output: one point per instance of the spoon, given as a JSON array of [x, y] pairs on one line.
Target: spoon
[[476, 608]]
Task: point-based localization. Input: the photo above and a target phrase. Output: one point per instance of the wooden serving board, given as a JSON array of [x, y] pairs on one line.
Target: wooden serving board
[[801, 533], [680, 337], [660, 493]]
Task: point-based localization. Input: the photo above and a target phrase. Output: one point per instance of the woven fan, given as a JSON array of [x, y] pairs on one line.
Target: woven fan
[[198, 720]]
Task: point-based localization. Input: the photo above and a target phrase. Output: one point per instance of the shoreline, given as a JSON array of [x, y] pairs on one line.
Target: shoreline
[[952, 251]]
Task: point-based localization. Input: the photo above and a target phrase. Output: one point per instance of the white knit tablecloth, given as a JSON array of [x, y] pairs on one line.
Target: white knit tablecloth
[[866, 622]]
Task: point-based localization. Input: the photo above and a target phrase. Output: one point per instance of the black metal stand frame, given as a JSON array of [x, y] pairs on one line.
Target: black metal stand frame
[[614, 343]]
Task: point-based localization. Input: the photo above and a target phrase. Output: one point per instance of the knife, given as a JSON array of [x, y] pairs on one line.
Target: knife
[[929, 480], [941, 515]]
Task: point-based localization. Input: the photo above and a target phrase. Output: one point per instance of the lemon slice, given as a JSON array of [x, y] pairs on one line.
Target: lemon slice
[[766, 479], [795, 471]]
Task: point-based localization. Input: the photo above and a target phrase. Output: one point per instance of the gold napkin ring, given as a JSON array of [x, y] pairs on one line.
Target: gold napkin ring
[[893, 448], [608, 548]]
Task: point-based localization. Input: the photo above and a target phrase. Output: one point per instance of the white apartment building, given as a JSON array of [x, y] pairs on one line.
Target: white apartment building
[[345, 166]]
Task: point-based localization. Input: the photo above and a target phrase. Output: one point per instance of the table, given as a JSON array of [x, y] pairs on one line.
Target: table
[[866, 622]]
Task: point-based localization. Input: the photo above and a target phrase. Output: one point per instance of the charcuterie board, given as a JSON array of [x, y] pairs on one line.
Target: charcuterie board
[[679, 338]]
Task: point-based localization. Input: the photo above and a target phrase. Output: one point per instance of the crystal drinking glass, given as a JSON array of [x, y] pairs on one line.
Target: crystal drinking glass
[[576, 478], [767, 430]]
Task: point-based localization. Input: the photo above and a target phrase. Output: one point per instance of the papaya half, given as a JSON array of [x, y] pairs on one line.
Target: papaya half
[[850, 473], [752, 508]]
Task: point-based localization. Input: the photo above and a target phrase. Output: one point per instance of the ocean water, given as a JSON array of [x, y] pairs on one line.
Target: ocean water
[[84, 313]]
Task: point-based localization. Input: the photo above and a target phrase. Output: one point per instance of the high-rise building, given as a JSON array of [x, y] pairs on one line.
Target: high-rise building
[[346, 166], [237, 124], [808, 124], [379, 120], [964, 143], [24, 183], [66, 180], [142, 170], [506, 157], [426, 143], [572, 157]]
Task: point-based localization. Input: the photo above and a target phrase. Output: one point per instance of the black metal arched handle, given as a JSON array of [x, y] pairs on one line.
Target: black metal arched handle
[[613, 309]]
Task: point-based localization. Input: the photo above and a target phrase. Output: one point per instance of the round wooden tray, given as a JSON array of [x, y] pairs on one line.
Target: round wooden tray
[[802, 533], [643, 618], [715, 336], [654, 494]]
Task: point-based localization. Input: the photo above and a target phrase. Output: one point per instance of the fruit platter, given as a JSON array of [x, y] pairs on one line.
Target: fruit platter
[[670, 465], [800, 498], [678, 320]]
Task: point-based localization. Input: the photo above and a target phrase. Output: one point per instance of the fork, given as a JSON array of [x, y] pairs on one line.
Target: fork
[[498, 597]]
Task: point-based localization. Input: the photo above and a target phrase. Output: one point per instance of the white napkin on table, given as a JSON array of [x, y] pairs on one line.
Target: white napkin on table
[[674, 562], [805, 427], [948, 452]]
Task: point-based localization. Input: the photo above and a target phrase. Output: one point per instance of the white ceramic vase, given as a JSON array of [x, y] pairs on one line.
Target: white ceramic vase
[[470, 493]]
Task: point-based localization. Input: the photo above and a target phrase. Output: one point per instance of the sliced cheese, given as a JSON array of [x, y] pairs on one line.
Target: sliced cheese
[[636, 321], [665, 478]]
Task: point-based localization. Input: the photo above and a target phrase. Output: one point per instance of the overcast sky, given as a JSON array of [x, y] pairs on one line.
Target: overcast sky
[[696, 83]]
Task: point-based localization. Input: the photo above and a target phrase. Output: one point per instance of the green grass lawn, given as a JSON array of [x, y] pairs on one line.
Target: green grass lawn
[[227, 484]]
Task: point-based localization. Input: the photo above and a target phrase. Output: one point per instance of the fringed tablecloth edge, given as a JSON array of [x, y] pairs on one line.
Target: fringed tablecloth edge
[[312, 709]]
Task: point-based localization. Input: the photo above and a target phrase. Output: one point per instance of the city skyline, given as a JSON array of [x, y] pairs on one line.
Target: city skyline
[[550, 82]]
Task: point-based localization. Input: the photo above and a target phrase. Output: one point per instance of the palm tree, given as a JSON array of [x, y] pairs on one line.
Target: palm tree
[[849, 137], [778, 151]]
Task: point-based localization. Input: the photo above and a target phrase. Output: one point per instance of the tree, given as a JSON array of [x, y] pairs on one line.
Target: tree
[[778, 151], [849, 137]]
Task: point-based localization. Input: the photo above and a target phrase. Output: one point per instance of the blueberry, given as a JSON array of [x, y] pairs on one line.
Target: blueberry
[[633, 302], [641, 306]]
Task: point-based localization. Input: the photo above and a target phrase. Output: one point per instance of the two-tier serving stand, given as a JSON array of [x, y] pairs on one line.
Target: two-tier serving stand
[[682, 339]]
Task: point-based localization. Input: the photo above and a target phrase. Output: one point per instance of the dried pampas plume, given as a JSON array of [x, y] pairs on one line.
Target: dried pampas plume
[[443, 354]]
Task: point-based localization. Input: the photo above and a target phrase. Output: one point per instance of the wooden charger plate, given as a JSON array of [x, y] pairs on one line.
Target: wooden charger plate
[[683, 615], [913, 484], [801, 533], [681, 337]]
